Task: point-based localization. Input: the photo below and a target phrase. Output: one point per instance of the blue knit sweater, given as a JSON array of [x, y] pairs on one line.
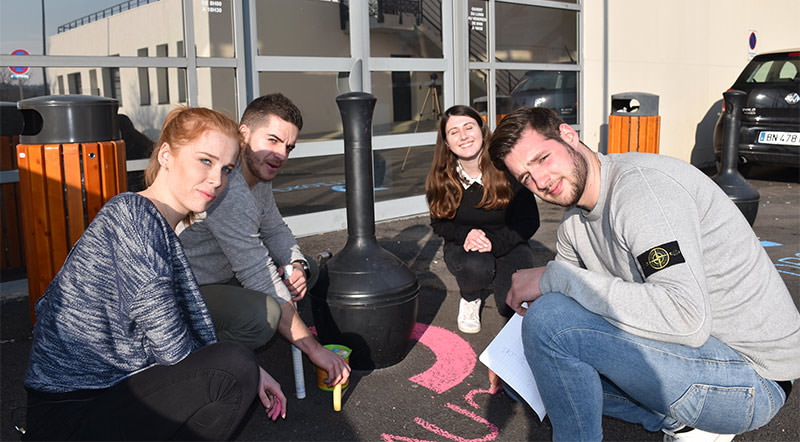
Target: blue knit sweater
[[124, 300]]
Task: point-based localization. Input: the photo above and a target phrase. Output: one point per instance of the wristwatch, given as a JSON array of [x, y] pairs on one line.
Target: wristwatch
[[304, 264]]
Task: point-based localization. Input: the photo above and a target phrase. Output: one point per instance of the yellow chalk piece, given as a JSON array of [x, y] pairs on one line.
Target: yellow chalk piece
[[337, 397]]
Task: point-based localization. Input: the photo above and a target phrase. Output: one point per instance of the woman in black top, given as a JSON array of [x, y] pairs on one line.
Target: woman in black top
[[484, 217]]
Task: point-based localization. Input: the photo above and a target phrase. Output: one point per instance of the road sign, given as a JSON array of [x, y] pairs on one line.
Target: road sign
[[752, 39], [19, 70]]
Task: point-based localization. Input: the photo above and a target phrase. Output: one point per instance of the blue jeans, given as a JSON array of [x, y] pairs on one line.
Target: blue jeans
[[585, 367]]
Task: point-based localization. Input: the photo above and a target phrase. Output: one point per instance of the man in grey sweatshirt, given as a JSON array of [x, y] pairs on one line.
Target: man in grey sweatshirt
[[239, 247], [661, 306]]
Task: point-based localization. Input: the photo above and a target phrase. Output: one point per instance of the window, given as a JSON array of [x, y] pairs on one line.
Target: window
[[213, 28], [218, 90], [93, 89], [411, 28], [144, 81], [535, 34], [111, 84], [408, 102], [557, 90], [162, 79], [60, 81], [517, 65], [74, 83], [329, 19], [315, 94], [788, 72]]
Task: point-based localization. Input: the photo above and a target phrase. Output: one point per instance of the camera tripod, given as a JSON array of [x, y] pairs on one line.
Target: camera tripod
[[436, 110]]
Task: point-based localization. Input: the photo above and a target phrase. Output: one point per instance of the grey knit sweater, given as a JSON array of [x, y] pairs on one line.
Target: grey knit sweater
[[666, 255], [242, 235]]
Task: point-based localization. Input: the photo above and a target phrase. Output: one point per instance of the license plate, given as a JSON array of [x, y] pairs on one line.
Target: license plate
[[774, 137]]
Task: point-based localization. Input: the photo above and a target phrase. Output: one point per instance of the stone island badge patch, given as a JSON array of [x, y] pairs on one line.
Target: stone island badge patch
[[660, 257]]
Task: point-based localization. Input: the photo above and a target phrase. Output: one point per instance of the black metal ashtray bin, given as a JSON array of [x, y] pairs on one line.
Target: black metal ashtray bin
[[742, 193], [365, 298]]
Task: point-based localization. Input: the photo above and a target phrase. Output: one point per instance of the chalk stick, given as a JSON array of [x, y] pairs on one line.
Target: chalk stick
[[299, 376], [337, 397], [297, 355]]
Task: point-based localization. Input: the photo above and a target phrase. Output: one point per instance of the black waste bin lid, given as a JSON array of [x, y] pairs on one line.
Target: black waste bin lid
[[634, 104], [57, 119]]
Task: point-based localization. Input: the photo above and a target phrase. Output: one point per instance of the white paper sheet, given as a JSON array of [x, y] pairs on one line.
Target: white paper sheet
[[506, 357]]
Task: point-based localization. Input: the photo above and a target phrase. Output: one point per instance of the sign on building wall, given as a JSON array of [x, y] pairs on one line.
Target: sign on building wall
[[751, 44]]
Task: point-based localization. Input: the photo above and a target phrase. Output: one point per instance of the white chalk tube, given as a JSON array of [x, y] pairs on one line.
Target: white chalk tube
[[297, 355], [299, 378]]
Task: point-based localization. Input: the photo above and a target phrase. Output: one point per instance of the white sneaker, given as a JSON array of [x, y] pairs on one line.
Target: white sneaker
[[469, 319], [695, 435]]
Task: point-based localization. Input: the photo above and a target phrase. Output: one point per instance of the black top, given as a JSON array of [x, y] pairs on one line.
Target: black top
[[505, 228]]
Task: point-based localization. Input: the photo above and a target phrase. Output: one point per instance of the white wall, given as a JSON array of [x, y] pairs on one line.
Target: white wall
[[685, 51], [123, 34]]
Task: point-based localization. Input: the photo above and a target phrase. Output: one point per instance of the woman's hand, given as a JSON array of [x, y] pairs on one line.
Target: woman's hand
[[269, 391], [477, 242]]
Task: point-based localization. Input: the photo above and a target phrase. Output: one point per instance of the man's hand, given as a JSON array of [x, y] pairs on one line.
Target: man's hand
[[295, 282], [477, 242], [335, 365], [524, 288], [494, 382], [269, 391]]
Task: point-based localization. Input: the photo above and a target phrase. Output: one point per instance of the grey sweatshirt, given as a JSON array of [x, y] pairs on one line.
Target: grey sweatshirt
[[667, 256], [242, 235]]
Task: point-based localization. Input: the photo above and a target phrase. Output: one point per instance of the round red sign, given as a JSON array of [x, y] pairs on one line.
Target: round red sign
[[19, 70]]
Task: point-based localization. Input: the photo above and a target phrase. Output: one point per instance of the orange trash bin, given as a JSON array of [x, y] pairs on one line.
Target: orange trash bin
[[71, 160], [634, 124]]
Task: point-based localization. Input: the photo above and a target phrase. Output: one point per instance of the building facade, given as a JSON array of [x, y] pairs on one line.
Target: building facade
[[418, 57]]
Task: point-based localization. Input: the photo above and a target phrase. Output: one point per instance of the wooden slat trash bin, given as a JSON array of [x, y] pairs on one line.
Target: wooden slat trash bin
[[11, 248], [71, 161], [634, 124]]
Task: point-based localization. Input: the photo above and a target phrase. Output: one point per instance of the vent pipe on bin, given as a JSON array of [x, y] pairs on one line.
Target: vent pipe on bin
[[742, 193]]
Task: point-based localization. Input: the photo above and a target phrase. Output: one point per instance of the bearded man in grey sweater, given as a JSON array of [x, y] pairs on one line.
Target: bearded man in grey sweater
[[239, 247], [661, 306]]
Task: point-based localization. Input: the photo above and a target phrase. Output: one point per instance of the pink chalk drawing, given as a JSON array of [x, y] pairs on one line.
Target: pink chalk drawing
[[392, 438], [468, 397], [493, 430], [455, 358]]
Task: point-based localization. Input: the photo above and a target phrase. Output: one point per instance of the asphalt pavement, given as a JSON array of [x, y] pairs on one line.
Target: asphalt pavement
[[438, 391]]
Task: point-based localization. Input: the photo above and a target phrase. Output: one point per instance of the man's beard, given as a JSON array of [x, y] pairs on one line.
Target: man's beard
[[253, 164], [580, 170]]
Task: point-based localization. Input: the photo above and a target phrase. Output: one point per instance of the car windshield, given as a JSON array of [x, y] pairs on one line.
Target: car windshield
[[773, 71]]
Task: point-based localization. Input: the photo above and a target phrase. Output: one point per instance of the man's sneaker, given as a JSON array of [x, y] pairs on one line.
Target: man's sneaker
[[687, 434], [469, 319]]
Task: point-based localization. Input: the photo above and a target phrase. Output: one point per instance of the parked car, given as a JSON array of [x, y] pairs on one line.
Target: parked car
[[556, 90], [770, 131]]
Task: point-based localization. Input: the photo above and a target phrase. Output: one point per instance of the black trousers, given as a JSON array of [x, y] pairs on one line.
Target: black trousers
[[203, 397], [478, 273]]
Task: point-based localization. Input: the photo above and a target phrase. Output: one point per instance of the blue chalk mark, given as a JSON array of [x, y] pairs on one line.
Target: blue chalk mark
[[770, 244], [342, 188]]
